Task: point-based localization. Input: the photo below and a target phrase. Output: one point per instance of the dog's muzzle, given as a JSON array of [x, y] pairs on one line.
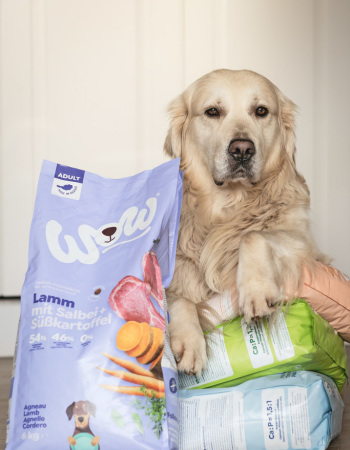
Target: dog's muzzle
[[241, 150], [240, 165]]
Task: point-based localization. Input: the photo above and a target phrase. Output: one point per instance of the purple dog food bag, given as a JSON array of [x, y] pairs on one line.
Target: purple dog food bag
[[93, 367]]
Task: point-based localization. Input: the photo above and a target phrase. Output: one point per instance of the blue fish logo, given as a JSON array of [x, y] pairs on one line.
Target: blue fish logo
[[66, 187]]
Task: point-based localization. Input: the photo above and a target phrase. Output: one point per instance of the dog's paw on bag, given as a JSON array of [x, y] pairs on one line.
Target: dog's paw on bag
[[257, 300], [189, 350]]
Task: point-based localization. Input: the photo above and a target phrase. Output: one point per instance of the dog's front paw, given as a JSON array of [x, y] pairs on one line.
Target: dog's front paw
[[95, 441], [257, 298], [189, 351], [71, 440]]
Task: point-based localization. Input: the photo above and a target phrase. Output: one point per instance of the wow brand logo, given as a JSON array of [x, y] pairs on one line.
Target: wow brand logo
[[68, 182], [107, 236]]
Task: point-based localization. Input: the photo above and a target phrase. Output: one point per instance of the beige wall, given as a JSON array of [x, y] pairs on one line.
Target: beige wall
[[86, 83]]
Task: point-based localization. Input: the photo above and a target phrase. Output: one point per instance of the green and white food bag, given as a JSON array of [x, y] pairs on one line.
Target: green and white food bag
[[298, 340]]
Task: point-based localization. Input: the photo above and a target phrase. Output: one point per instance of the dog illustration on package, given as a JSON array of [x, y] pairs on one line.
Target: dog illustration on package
[[83, 438]]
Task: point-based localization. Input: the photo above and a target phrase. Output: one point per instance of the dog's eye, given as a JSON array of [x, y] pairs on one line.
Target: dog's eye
[[212, 112], [261, 111]]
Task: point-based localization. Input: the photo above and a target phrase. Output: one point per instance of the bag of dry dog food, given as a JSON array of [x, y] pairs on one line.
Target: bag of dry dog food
[[293, 410], [90, 371], [299, 340]]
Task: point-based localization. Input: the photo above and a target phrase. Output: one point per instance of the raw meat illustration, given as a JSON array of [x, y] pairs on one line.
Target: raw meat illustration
[[152, 275], [130, 301]]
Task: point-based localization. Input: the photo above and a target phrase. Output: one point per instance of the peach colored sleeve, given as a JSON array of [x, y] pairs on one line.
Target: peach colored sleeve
[[327, 291]]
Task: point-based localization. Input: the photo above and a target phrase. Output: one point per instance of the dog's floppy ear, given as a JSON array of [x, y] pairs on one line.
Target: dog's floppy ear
[[69, 410], [92, 408], [287, 118], [177, 111]]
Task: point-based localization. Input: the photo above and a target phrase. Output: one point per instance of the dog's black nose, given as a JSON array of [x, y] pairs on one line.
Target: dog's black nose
[[241, 150], [81, 419]]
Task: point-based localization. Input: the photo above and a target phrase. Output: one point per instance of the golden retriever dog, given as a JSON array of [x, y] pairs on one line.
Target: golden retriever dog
[[245, 213]]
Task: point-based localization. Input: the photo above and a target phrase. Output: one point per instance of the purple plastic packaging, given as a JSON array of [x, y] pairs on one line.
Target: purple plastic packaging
[[88, 234]]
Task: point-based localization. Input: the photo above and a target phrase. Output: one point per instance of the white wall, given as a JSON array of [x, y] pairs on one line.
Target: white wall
[[331, 129], [86, 83]]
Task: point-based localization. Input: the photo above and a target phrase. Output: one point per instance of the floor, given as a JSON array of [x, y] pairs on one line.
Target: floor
[[342, 442], [5, 381]]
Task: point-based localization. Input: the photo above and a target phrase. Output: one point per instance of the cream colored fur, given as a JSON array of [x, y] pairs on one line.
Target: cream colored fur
[[250, 233]]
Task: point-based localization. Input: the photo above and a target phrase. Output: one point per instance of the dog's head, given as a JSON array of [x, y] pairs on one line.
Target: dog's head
[[81, 411], [236, 124]]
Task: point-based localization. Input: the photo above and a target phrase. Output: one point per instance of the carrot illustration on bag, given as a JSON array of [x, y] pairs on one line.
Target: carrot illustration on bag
[[130, 366], [149, 382], [134, 390]]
